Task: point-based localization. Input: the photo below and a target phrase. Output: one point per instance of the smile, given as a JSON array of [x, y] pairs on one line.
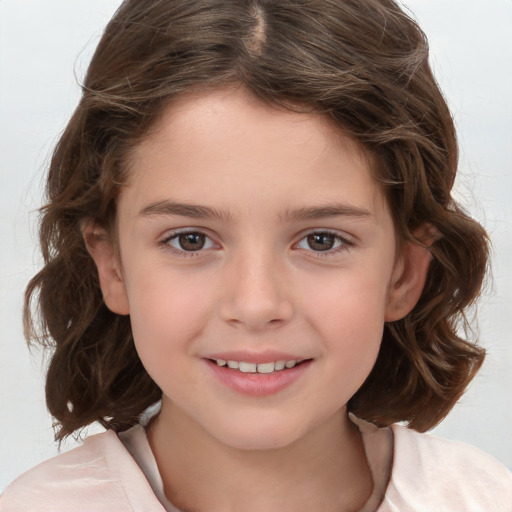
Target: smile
[[270, 367], [254, 378]]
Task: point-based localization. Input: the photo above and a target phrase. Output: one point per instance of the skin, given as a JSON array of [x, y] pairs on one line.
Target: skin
[[257, 284]]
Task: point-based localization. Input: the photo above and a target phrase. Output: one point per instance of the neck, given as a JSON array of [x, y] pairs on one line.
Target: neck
[[326, 470]]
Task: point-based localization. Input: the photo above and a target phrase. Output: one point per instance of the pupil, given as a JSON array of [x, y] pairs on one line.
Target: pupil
[[321, 241], [192, 241]]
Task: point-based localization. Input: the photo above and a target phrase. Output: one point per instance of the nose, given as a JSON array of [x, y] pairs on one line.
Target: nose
[[257, 294]]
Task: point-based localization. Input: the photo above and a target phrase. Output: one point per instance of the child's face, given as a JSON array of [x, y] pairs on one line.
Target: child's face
[[220, 260]]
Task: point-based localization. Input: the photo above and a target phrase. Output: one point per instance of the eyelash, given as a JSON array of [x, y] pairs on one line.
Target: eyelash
[[344, 243], [165, 243]]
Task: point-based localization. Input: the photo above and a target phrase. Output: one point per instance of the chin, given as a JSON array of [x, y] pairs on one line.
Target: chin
[[259, 436]]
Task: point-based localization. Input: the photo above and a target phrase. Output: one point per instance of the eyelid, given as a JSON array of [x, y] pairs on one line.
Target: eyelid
[[347, 242], [164, 242]]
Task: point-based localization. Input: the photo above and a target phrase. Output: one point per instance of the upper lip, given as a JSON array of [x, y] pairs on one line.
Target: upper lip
[[255, 357]]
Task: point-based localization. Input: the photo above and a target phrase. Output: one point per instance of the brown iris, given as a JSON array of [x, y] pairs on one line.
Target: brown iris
[[321, 241], [192, 241]]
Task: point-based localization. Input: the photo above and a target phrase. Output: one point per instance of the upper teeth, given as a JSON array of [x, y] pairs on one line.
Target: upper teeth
[[257, 367]]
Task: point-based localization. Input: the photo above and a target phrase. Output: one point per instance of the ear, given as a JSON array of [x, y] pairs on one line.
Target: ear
[[100, 247], [410, 274]]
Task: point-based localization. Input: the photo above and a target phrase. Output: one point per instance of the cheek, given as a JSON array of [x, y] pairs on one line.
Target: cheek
[[166, 311], [349, 316], [349, 302]]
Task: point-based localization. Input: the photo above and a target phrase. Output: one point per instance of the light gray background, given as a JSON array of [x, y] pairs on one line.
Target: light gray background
[[44, 43]]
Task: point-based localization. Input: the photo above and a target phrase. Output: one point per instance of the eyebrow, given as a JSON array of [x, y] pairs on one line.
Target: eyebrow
[[324, 212], [195, 211]]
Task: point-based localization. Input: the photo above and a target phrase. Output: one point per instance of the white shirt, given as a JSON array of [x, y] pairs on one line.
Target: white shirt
[[112, 474]]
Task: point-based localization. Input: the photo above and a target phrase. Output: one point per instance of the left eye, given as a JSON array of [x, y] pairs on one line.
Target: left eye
[[190, 241], [321, 241]]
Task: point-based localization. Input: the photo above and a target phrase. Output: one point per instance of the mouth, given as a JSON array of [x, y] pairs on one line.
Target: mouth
[[264, 368], [262, 375]]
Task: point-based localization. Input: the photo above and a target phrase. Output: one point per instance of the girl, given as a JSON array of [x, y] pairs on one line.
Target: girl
[[249, 226]]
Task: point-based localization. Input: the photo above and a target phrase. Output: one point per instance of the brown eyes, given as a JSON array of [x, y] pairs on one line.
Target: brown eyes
[[188, 242], [321, 241], [191, 241], [324, 242], [318, 242]]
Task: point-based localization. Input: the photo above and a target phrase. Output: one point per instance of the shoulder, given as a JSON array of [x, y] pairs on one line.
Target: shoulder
[[99, 475], [430, 470]]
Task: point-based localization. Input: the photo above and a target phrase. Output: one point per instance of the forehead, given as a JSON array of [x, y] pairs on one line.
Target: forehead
[[228, 146]]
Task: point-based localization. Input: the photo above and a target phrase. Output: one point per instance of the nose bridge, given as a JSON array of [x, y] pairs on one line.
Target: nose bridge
[[257, 295]]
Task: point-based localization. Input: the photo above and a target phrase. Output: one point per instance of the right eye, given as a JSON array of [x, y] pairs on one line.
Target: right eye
[[188, 241]]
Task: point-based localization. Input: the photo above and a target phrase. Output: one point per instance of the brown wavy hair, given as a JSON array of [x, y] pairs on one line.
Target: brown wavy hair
[[363, 63]]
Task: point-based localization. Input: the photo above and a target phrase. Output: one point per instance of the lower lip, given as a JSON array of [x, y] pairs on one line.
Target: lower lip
[[258, 384]]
